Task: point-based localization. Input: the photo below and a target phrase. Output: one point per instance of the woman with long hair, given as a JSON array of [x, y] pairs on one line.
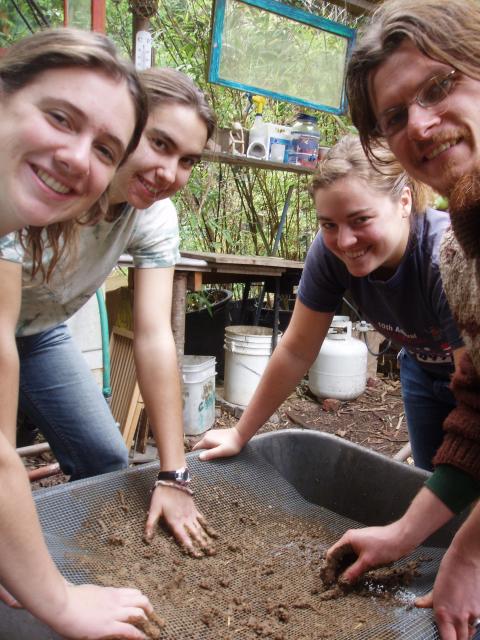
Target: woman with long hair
[[379, 240], [57, 391], [60, 145]]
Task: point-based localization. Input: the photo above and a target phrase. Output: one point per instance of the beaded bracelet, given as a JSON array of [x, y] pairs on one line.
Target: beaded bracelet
[[173, 484]]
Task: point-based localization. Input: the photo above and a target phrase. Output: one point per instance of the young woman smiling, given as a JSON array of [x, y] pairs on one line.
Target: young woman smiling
[[378, 240], [57, 391], [59, 149]]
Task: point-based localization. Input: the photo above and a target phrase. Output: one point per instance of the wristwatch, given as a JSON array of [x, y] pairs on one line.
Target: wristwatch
[[180, 476]]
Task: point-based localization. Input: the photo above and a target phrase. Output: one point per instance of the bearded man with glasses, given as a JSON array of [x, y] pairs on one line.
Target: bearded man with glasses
[[413, 84]]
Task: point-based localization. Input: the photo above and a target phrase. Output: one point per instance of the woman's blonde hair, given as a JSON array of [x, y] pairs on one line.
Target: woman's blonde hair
[[347, 159], [58, 49]]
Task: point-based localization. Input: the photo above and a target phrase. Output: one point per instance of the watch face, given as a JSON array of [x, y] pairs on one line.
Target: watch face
[[183, 475]]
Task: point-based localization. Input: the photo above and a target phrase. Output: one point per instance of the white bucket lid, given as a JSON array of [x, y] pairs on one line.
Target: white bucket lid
[[249, 333], [198, 363]]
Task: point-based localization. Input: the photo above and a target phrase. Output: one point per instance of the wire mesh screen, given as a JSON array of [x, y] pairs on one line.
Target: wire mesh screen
[[263, 580]]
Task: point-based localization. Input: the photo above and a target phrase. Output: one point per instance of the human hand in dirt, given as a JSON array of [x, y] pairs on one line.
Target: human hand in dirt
[[98, 613], [220, 443], [367, 548], [455, 596], [181, 516]]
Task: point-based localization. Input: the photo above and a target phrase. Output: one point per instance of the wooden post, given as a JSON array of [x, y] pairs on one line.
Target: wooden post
[[99, 14], [142, 12]]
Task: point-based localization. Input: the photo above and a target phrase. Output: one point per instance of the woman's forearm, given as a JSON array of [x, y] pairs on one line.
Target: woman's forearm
[[26, 568]]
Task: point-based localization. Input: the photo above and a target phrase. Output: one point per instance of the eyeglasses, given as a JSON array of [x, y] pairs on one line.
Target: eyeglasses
[[430, 94]]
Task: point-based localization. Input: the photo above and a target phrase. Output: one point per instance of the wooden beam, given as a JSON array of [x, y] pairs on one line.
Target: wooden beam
[[178, 313], [97, 15], [98, 11]]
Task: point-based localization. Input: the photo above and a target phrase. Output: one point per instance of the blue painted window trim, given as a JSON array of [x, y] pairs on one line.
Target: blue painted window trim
[[290, 12]]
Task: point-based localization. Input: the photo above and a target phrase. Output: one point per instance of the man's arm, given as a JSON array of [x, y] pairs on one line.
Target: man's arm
[[375, 546], [159, 381], [11, 296], [432, 507], [457, 585]]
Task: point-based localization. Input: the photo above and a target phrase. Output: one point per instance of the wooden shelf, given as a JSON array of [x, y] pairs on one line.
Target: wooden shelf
[[243, 161]]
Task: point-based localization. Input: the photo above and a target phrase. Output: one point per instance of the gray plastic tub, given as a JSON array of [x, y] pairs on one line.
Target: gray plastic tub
[[302, 472]]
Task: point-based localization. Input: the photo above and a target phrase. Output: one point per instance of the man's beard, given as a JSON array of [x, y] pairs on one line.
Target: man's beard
[[464, 207]]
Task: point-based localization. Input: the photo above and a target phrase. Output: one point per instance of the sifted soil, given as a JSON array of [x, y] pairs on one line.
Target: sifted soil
[[263, 581]]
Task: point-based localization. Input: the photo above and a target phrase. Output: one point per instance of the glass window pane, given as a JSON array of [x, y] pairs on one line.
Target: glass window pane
[[274, 52]]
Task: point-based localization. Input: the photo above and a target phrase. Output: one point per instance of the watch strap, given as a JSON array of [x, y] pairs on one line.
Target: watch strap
[[180, 476]]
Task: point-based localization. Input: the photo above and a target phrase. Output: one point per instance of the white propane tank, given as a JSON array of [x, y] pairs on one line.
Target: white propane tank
[[340, 370]]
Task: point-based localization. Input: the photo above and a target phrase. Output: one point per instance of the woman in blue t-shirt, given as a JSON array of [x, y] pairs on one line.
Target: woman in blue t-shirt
[[379, 241]]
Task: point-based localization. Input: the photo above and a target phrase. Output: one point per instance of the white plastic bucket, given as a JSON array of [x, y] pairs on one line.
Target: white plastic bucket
[[247, 351], [198, 394], [340, 369]]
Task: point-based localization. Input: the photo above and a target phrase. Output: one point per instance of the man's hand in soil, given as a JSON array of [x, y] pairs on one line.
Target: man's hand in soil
[[372, 547], [221, 443], [455, 596], [96, 613], [181, 516]]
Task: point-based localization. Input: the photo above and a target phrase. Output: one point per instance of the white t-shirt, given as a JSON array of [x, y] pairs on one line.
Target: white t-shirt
[[150, 236]]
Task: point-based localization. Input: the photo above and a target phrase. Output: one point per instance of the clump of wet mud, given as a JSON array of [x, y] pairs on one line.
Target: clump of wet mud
[[263, 581], [383, 582], [152, 627]]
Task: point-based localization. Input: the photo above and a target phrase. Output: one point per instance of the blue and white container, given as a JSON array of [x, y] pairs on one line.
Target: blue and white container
[[198, 394], [305, 140], [278, 139]]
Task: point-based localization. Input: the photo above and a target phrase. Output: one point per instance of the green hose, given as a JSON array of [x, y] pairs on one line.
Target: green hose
[[102, 310]]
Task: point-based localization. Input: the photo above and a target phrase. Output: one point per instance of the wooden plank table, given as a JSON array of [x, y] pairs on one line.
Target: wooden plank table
[[196, 268], [276, 274]]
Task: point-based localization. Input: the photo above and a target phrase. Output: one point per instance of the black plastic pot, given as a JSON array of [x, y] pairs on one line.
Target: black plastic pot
[[205, 330]]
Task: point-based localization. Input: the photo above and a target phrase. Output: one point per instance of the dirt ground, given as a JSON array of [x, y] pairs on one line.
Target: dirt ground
[[374, 420]]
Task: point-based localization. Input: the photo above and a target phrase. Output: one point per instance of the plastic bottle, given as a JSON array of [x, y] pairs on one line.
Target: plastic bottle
[[305, 141], [257, 141]]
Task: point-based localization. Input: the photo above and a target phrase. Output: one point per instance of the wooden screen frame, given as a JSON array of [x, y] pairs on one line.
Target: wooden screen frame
[[98, 14]]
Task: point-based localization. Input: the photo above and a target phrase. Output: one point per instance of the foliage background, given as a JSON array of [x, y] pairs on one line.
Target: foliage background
[[223, 208]]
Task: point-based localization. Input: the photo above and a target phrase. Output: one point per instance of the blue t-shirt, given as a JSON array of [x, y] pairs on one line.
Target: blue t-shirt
[[410, 308]]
